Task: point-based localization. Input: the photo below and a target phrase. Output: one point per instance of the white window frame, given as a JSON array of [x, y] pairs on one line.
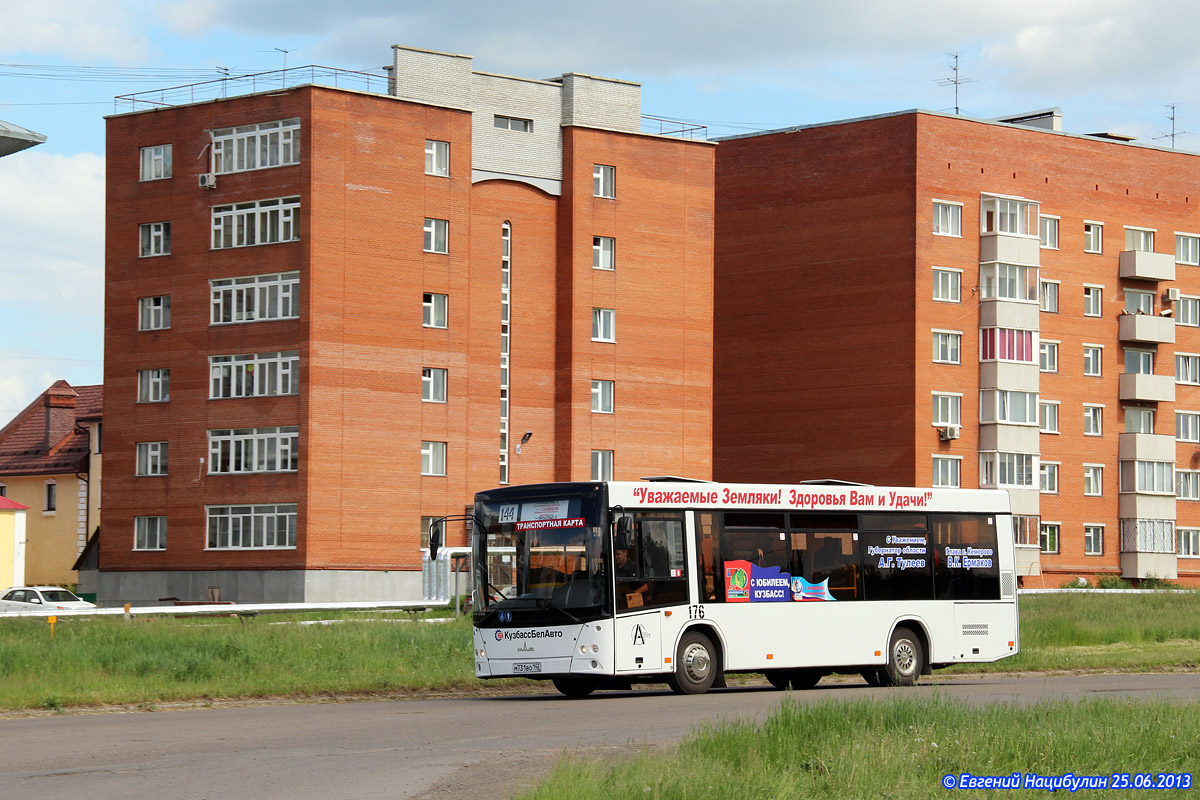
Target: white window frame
[[152, 459], [1093, 539], [1187, 249], [254, 375], [437, 158], [247, 526], [947, 409], [602, 465], [947, 472], [1048, 422], [245, 451], [154, 239], [437, 235], [433, 458], [1048, 477], [256, 223], [1006, 344], [518, 124], [602, 396], [1187, 484], [1093, 300], [433, 384], [1000, 280], [1048, 291], [150, 533], [1187, 368], [1148, 477], [1093, 236], [604, 325], [1138, 301], [1188, 542], [1093, 419], [604, 253], [950, 346], [604, 181], [1187, 426], [1047, 353], [1007, 470], [1009, 407], [947, 285], [50, 497], [1187, 311], [155, 163], [947, 218], [1093, 360], [1048, 225], [154, 313], [1136, 417], [1140, 359], [1139, 239], [254, 298], [435, 310], [1049, 537], [1093, 476], [1006, 214], [262, 145], [154, 385]]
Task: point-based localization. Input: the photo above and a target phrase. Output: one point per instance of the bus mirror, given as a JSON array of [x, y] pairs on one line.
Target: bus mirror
[[435, 537], [624, 537]]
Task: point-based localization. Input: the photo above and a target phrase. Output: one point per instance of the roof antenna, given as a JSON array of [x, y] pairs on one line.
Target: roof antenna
[[955, 81], [1173, 132], [285, 55]]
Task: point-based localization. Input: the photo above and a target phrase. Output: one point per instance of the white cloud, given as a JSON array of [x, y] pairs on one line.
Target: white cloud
[[78, 31]]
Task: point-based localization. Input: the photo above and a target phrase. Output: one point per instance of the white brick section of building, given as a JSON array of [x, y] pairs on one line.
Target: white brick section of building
[[81, 529]]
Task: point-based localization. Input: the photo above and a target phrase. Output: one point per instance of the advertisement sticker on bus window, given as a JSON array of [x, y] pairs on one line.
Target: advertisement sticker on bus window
[[549, 524], [749, 583], [545, 509]]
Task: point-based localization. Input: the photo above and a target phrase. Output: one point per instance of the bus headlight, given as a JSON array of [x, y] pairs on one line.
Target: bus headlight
[[583, 649], [481, 653], [595, 648]]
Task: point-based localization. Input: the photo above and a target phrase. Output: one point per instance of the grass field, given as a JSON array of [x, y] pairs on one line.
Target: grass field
[[106, 661]]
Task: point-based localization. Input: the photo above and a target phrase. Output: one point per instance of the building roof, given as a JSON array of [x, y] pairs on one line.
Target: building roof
[[14, 138], [45, 438], [11, 505]]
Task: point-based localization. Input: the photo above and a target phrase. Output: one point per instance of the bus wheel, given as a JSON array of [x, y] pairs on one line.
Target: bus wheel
[[804, 678], [906, 658], [576, 687], [778, 678], [874, 676], [695, 666]]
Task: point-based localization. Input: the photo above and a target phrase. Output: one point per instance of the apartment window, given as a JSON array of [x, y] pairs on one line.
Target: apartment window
[[156, 162], [947, 218], [3, 490], [1006, 470], [1093, 301], [1139, 420], [1139, 302], [1147, 477], [255, 223], [154, 385], [151, 458], [433, 458], [248, 450], [437, 234], [1048, 539], [149, 533], [1187, 249], [155, 238], [1093, 480], [1007, 215], [604, 181], [1048, 478], [1187, 426], [50, 496], [1139, 362], [154, 313], [252, 527], [435, 310], [1048, 296], [947, 472], [604, 250], [1003, 405], [254, 375], [433, 385], [513, 124], [946, 346], [1006, 344], [1187, 368], [947, 409], [1048, 356], [947, 285], [259, 146], [1139, 239], [1048, 232], [1008, 281], [1092, 354], [1187, 311], [1148, 535], [1093, 540], [1093, 420], [1048, 417], [602, 465], [602, 397], [437, 158], [1189, 542], [1093, 237], [1187, 484], [604, 323], [255, 298]]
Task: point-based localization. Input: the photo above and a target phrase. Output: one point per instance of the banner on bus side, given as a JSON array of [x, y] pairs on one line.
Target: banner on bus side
[[749, 583]]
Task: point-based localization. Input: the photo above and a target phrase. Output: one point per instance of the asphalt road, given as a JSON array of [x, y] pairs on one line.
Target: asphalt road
[[470, 747]]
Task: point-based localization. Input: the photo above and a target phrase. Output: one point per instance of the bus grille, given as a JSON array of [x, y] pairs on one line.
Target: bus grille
[[975, 629], [1006, 585]]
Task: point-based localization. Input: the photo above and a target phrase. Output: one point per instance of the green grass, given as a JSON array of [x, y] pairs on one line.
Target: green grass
[[898, 748]]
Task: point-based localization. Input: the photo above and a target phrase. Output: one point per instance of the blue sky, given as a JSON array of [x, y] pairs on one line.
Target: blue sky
[[734, 65]]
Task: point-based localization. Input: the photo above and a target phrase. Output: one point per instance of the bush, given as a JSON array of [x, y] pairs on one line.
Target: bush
[[1112, 582]]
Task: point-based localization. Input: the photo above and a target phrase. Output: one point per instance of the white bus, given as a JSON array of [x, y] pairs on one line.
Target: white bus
[[600, 585]]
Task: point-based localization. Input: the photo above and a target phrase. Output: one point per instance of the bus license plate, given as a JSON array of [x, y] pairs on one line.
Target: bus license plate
[[532, 666]]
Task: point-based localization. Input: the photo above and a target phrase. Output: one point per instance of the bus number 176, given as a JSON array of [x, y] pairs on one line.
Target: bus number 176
[[695, 612]]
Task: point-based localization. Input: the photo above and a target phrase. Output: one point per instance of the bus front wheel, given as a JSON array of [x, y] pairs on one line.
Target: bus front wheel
[[695, 665], [906, 658], [576, 687]]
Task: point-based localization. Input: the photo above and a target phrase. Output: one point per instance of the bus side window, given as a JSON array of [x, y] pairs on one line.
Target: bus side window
[[709, 554]]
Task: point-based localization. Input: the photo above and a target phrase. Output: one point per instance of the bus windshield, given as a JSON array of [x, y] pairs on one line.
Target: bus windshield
[[539, 558]]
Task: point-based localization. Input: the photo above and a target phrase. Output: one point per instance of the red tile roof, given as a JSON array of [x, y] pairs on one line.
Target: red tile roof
[[44, 439], [11, 505]]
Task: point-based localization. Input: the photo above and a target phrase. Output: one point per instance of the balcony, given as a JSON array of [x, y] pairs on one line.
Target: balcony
[[1146, 328], [1141, 388], [1011, 248], [1145, 447], [1147, 266], [1148, 548]]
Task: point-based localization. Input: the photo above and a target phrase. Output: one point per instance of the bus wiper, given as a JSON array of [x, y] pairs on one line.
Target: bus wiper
[[542, 602], [496, 589]]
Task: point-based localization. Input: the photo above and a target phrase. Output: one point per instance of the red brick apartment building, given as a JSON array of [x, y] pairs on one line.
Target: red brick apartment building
[[920, 298], [332, 314]]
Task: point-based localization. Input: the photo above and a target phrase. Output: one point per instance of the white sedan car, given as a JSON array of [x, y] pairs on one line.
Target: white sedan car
[[40, 598]]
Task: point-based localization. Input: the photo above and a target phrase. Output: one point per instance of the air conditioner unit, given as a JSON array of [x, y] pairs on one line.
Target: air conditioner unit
[[949, 432], [208, 180], [1171, 295]]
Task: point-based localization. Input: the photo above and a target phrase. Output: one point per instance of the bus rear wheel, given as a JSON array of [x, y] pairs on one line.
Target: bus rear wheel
[[779, 678], [874, 676], [906, 658], [802, 679], [695, 665], [575, 687]]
